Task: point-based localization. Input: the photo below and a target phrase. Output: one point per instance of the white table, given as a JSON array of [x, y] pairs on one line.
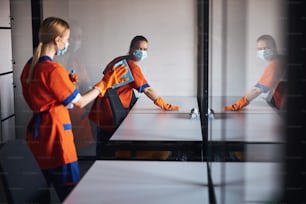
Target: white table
[[159, 127], [132, 182], [247, 182], [146, 105], [246, 127], [257, 122], [151, 128], [177, 182], [160, 132], [148, 123], [257, 130]]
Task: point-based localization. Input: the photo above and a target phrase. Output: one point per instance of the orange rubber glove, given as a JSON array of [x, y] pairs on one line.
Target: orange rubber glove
[[242, 102], [73, 77], [164, 105], [111, 78]]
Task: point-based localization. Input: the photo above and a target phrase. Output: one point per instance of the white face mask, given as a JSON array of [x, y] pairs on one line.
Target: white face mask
[[60, 52], [265, 54], [140, 54]]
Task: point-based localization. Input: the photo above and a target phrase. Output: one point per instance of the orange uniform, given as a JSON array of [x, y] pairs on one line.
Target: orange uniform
[[271, 76], [270, 79], [101, 112], [49, 133]]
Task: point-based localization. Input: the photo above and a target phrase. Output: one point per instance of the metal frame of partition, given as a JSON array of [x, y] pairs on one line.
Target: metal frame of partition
[[36, 9], [202, 61]]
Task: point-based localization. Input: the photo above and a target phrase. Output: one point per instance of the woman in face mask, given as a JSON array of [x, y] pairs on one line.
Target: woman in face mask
[[49, 91], [269, 80], [101, 113]]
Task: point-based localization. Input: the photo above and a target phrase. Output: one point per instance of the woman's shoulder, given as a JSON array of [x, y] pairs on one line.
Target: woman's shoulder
[[53, 66], [132, 63]]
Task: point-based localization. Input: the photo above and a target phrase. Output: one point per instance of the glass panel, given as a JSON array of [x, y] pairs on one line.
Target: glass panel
[[102, 30], [246, 78]]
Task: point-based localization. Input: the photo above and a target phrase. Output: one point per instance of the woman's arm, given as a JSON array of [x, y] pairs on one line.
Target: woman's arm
[[82, 100], [109, 79], [151, 93], [253, 93], [159, 101]]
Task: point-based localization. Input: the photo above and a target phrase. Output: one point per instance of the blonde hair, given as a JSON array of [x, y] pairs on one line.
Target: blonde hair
[[50, 28]]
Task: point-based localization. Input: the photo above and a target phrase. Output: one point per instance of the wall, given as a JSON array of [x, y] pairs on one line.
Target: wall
[[108, 27]]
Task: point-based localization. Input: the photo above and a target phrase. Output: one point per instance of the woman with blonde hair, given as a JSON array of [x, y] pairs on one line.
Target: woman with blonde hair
[[49, 91]]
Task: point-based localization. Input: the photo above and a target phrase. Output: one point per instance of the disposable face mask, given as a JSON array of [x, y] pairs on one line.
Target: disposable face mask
[[60, 52], [140, 54], [265, 54]]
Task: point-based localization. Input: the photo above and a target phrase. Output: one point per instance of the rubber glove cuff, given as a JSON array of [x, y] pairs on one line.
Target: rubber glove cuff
[[160, 102], [241, 103]]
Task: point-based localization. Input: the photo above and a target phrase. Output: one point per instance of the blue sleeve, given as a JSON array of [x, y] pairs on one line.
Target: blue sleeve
[[262, 87], [70, 98], [141, 88]]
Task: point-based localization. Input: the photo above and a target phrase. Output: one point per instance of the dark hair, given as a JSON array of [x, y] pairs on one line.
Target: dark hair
[[135, 40], [269, 39]]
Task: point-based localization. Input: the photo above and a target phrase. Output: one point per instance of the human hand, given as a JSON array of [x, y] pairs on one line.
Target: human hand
[[241, 103], [73, 77], [164, 105], [111, 78]]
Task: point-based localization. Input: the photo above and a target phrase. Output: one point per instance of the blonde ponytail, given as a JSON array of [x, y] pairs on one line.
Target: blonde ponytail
[[50, 28], [34, 62]]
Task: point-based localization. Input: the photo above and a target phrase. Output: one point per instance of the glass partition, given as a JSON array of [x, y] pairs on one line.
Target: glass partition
[[103, 30], [247, 92], [236, 76]]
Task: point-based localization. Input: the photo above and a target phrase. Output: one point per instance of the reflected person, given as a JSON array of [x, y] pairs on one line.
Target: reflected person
[[81, 127], [270, 79]]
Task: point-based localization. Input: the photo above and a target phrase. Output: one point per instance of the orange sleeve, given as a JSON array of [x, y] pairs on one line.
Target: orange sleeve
[[140, 82], [61, 86], [272, 75]]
